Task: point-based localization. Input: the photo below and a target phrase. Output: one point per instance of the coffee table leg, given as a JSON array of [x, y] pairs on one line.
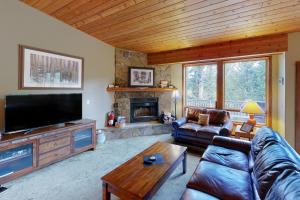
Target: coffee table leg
[[184, 163], [105, 192]]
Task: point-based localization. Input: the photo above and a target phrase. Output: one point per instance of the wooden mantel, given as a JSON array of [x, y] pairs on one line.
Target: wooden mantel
[[139, 89]]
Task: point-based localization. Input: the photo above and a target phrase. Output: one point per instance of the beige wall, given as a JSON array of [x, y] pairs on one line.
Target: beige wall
[[291, 56], [1, 114], [281, 94], [278, 93], [275, 72], [21, 24]]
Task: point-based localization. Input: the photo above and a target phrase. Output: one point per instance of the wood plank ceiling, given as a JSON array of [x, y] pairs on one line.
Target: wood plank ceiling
[[160, 25]]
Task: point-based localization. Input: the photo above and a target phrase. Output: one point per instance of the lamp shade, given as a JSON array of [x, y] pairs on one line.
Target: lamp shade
[[251, 107], [176, 95]]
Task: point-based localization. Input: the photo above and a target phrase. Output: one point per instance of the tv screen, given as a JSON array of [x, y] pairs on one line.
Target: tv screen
[[23, 112]]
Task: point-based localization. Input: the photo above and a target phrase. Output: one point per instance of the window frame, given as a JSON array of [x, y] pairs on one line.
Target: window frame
[[184, 83], [221, 83]]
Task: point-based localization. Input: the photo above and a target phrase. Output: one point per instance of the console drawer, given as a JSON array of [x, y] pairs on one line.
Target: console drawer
[[54, 137], [55, 155], [54, 144]]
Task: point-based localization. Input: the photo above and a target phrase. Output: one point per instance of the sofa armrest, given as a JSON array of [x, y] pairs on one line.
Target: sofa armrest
[[226, 128], [179, 122], [232, 143]]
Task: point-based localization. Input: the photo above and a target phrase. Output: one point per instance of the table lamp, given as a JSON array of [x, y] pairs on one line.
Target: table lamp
[[251, 107]]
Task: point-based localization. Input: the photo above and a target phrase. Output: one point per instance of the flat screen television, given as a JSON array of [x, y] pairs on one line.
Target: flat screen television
[[25, 112]]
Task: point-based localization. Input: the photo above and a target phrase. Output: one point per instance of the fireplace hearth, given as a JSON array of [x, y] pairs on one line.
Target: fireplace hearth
[[143, 109]]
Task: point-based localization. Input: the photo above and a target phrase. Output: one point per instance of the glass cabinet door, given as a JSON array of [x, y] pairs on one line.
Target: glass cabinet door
[[83, 138], [16, 159]]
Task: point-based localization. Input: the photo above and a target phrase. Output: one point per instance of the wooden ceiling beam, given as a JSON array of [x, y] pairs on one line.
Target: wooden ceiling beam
[[244, 47]]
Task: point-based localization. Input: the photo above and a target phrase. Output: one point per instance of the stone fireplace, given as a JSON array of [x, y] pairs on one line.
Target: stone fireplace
[[143, 109], [125, 101]]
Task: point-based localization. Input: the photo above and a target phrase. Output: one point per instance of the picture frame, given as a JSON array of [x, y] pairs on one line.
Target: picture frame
[[141, 77], [247, 127], [44, 69]]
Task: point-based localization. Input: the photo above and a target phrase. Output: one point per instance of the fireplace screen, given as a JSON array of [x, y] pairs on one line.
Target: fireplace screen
[[142, 112], [143, 109]]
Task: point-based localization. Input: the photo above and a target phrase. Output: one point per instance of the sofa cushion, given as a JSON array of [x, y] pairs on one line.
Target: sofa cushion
[[269, 164], [191, 127], [192, 114], [264, 137], [286, 186], [213, 130], [218, 117], [191, 194], [227, 157], [221, 181]]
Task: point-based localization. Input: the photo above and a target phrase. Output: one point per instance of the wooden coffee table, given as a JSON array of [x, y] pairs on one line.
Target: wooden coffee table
[[132, 180]]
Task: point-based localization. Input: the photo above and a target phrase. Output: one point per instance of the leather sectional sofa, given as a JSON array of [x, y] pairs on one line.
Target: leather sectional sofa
[[232, 169], [187, 130]]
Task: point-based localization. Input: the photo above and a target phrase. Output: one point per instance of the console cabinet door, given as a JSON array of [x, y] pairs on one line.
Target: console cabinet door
[[17, 159], [83, 138]]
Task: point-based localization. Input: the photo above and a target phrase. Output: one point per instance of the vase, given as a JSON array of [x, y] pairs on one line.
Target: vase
[[101, 137]]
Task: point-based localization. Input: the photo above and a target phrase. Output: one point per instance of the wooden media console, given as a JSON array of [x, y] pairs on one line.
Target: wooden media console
[[22, 153]]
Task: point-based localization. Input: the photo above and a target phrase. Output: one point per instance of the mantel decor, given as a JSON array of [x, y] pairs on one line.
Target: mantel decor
[[43, 69], [141, 77], [140, 89]]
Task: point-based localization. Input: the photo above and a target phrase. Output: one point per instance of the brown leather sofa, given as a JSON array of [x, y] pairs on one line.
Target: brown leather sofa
[[187, 130], [232, 169]]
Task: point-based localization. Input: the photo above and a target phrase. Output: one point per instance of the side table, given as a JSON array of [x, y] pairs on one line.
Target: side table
[[237, 133]]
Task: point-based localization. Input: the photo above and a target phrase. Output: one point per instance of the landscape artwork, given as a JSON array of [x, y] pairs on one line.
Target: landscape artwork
[[45, 69], [141, 77]]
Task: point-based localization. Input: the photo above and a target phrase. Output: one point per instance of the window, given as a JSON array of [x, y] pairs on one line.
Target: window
[[242, 80], [201, 85], [245, 80]]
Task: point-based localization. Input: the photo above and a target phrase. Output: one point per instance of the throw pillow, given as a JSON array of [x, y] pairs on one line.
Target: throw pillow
[[203, 119], [217, 117], [192, 113]]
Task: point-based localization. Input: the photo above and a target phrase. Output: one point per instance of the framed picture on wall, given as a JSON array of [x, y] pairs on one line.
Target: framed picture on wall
[[141, 77], [43, 69]]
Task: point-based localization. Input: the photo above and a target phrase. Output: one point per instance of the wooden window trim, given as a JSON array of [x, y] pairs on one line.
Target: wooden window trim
[[184, 66], [221, 83]]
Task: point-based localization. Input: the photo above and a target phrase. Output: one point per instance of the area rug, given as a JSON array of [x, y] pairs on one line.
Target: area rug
[[78, 178]]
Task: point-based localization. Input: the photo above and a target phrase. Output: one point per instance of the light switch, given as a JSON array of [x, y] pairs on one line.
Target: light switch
[[88, 102]]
